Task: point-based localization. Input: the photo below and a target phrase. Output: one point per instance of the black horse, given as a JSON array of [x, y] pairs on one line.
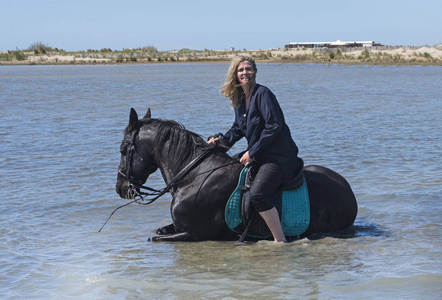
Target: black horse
[[201, 191]]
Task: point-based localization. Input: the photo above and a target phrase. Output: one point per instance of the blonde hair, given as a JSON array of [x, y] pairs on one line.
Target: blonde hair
[[231, 88]]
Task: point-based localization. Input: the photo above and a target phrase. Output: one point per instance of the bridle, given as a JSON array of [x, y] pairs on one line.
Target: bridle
[[135, 185]]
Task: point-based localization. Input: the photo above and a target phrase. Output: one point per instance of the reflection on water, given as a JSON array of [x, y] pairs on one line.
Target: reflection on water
[[60, 130], [358, 229]]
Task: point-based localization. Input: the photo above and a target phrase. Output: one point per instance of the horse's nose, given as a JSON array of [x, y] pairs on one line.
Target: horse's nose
[[120, 188], [126, 190]]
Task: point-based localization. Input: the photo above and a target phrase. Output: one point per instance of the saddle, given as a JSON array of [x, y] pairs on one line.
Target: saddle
[[292, 204]]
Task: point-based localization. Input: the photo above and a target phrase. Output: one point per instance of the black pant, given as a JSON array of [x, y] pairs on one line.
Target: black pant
[[266, 187]]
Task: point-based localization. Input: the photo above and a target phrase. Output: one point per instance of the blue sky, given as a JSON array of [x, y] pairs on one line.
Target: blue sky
[[194, 24]]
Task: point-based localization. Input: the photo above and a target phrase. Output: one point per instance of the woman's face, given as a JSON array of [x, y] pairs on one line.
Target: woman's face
[[245, 73]]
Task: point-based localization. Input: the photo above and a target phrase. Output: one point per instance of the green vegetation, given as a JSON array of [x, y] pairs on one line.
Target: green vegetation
[[365, 57], [13, 55], [19, 55], [40, 48], [41, 53], [5, 57]]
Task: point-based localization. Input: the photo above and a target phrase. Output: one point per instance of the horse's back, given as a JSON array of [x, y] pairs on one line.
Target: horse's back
[[333, 204]]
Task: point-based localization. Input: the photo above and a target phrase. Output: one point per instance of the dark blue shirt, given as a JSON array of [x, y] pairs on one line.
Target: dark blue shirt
[[267, 134]]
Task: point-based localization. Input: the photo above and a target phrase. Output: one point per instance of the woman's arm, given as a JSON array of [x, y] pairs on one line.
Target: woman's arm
[[233, 135], [274, 122]]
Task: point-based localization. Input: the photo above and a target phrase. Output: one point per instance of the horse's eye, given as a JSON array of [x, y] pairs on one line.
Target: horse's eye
[[123, 149]]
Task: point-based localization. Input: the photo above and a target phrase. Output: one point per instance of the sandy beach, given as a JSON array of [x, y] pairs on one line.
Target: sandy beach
[[426, 55]]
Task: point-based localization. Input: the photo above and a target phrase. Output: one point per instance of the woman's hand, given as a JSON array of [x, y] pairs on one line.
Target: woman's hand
[[246, 159], [213, 141]]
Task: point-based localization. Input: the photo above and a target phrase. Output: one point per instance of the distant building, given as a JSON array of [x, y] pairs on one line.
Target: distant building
[[336, 44]]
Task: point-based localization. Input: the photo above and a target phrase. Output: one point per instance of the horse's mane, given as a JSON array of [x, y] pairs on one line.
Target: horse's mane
[[184, 144]]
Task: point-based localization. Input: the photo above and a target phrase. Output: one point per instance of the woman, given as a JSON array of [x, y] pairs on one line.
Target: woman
[[259, 118]]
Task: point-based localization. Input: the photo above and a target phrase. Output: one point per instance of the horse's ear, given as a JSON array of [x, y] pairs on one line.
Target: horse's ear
[[133, 118], [148, 115]]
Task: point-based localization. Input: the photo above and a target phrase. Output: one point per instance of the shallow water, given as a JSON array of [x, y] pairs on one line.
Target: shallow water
[[60, 130]]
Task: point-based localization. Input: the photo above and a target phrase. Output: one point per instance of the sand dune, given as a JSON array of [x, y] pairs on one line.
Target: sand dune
[[375, 55]]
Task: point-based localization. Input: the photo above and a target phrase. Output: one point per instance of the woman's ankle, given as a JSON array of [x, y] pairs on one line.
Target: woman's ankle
[[271, 217]]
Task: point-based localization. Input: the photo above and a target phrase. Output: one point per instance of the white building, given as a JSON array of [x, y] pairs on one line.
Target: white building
[[336, 44]]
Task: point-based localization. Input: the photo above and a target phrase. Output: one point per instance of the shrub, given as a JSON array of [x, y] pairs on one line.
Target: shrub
[[5, 57], [150, 49], [19, 55], [40, 47], [339, 54], [428, 56], [365, 53]]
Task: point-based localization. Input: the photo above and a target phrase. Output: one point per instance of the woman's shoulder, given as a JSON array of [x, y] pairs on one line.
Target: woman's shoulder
[[262, 89]]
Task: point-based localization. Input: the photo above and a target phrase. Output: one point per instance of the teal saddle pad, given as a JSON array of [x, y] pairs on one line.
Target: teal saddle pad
[[295, 210]]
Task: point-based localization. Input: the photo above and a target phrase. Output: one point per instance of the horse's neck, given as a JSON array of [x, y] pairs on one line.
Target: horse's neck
[[170, 170]]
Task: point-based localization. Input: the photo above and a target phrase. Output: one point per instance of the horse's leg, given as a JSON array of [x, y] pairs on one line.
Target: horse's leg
[[169, 229], [175, 237]]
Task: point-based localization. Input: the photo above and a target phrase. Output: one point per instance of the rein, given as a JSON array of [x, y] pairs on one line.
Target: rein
[[174, 181], [159, 193]]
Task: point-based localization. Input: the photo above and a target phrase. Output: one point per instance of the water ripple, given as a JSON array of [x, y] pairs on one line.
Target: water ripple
[[60, 130]]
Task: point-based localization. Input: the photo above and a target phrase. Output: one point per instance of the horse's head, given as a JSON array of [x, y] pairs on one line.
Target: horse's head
[[137, 158]]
